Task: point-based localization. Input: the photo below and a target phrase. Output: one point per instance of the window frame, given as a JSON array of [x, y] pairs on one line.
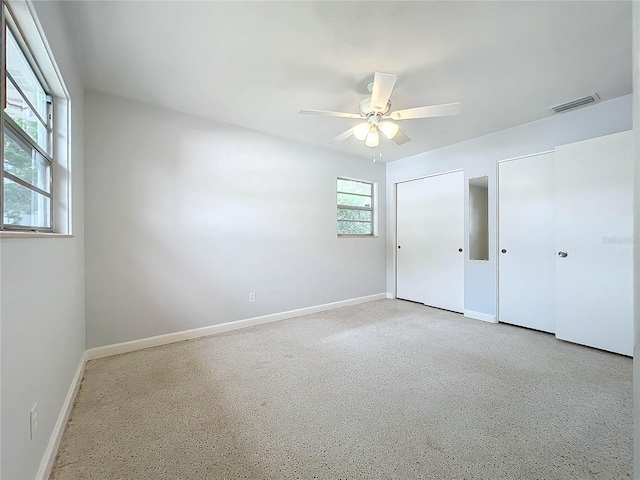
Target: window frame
[[371, 209], [8, 124]]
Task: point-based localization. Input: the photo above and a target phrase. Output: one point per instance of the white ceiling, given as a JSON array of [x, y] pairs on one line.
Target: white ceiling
[[255, 64]]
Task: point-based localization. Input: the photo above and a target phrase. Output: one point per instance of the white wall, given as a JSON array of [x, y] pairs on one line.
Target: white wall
[[478, 157], [185, 217], [42, 300], [636, 252]]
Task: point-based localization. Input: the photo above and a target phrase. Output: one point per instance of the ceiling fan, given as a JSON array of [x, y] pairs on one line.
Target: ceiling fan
[[377, 115]]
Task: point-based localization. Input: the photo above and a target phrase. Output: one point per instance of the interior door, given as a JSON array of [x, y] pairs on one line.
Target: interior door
[[526, 242], [430, 232], [594, 227]]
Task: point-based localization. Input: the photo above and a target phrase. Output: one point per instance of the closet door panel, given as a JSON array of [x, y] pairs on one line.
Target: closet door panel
[[526, 258], [411, 238], [594, 226], [444, 213]]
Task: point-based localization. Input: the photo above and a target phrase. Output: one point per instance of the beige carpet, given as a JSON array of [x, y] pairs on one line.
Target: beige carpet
[[388, 389]]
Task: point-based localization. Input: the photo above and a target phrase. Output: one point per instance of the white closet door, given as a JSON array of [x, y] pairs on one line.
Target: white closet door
[[444, 281], [594, 226], [411, 232], [430, 231], [526, 258]]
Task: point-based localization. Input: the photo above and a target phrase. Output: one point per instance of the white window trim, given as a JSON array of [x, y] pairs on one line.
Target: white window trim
[[30, 29]]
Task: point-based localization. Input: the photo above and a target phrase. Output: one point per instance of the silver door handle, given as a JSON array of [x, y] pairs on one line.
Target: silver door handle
[[562, 254]]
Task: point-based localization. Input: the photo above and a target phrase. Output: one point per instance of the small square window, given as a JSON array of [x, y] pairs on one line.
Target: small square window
[[355, 208]]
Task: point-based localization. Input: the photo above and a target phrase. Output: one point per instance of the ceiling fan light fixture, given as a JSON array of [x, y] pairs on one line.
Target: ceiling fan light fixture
[[373, 139], [389, 129], [361, 130]]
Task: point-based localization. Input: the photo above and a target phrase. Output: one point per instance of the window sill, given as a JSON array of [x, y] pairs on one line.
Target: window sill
[[33, 235], [357, 236]]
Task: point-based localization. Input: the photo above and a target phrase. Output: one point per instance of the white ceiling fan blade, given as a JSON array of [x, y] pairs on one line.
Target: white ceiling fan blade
[[401, 138], [448, 109], [326, 113], [343, 136], [383, 84]]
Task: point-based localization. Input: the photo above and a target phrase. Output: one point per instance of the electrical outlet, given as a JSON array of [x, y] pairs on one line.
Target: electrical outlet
[[33, 421], [252, 297]]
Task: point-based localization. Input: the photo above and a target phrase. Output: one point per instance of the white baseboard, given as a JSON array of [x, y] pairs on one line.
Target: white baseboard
[[132, 346], [50, 453], [390, 295], [485, 317]]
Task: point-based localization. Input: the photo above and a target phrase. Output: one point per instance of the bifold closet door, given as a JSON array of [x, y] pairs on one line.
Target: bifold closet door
[[526, 242], [594, 232], [430, 233]]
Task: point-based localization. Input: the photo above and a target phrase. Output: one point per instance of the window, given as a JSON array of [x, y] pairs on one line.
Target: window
[[355, 208], [26, 192]]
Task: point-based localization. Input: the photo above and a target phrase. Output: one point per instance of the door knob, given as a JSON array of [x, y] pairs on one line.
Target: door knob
[[398, 246], [562, 254], [504, 250], [459, 249]]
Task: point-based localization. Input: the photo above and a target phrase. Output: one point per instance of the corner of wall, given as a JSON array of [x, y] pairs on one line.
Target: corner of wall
[[636, 260]]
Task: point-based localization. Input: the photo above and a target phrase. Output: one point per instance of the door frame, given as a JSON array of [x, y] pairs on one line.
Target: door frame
[[497, 251], [395, 227]]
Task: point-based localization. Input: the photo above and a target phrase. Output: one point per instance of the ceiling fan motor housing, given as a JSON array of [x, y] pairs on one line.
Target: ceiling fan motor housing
[[367, 111]]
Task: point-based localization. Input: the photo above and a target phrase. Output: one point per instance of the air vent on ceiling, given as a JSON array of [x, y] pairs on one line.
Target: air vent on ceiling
[[578, 102]]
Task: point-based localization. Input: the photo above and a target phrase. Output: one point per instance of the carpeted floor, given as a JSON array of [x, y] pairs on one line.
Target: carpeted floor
[[382, 390]]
